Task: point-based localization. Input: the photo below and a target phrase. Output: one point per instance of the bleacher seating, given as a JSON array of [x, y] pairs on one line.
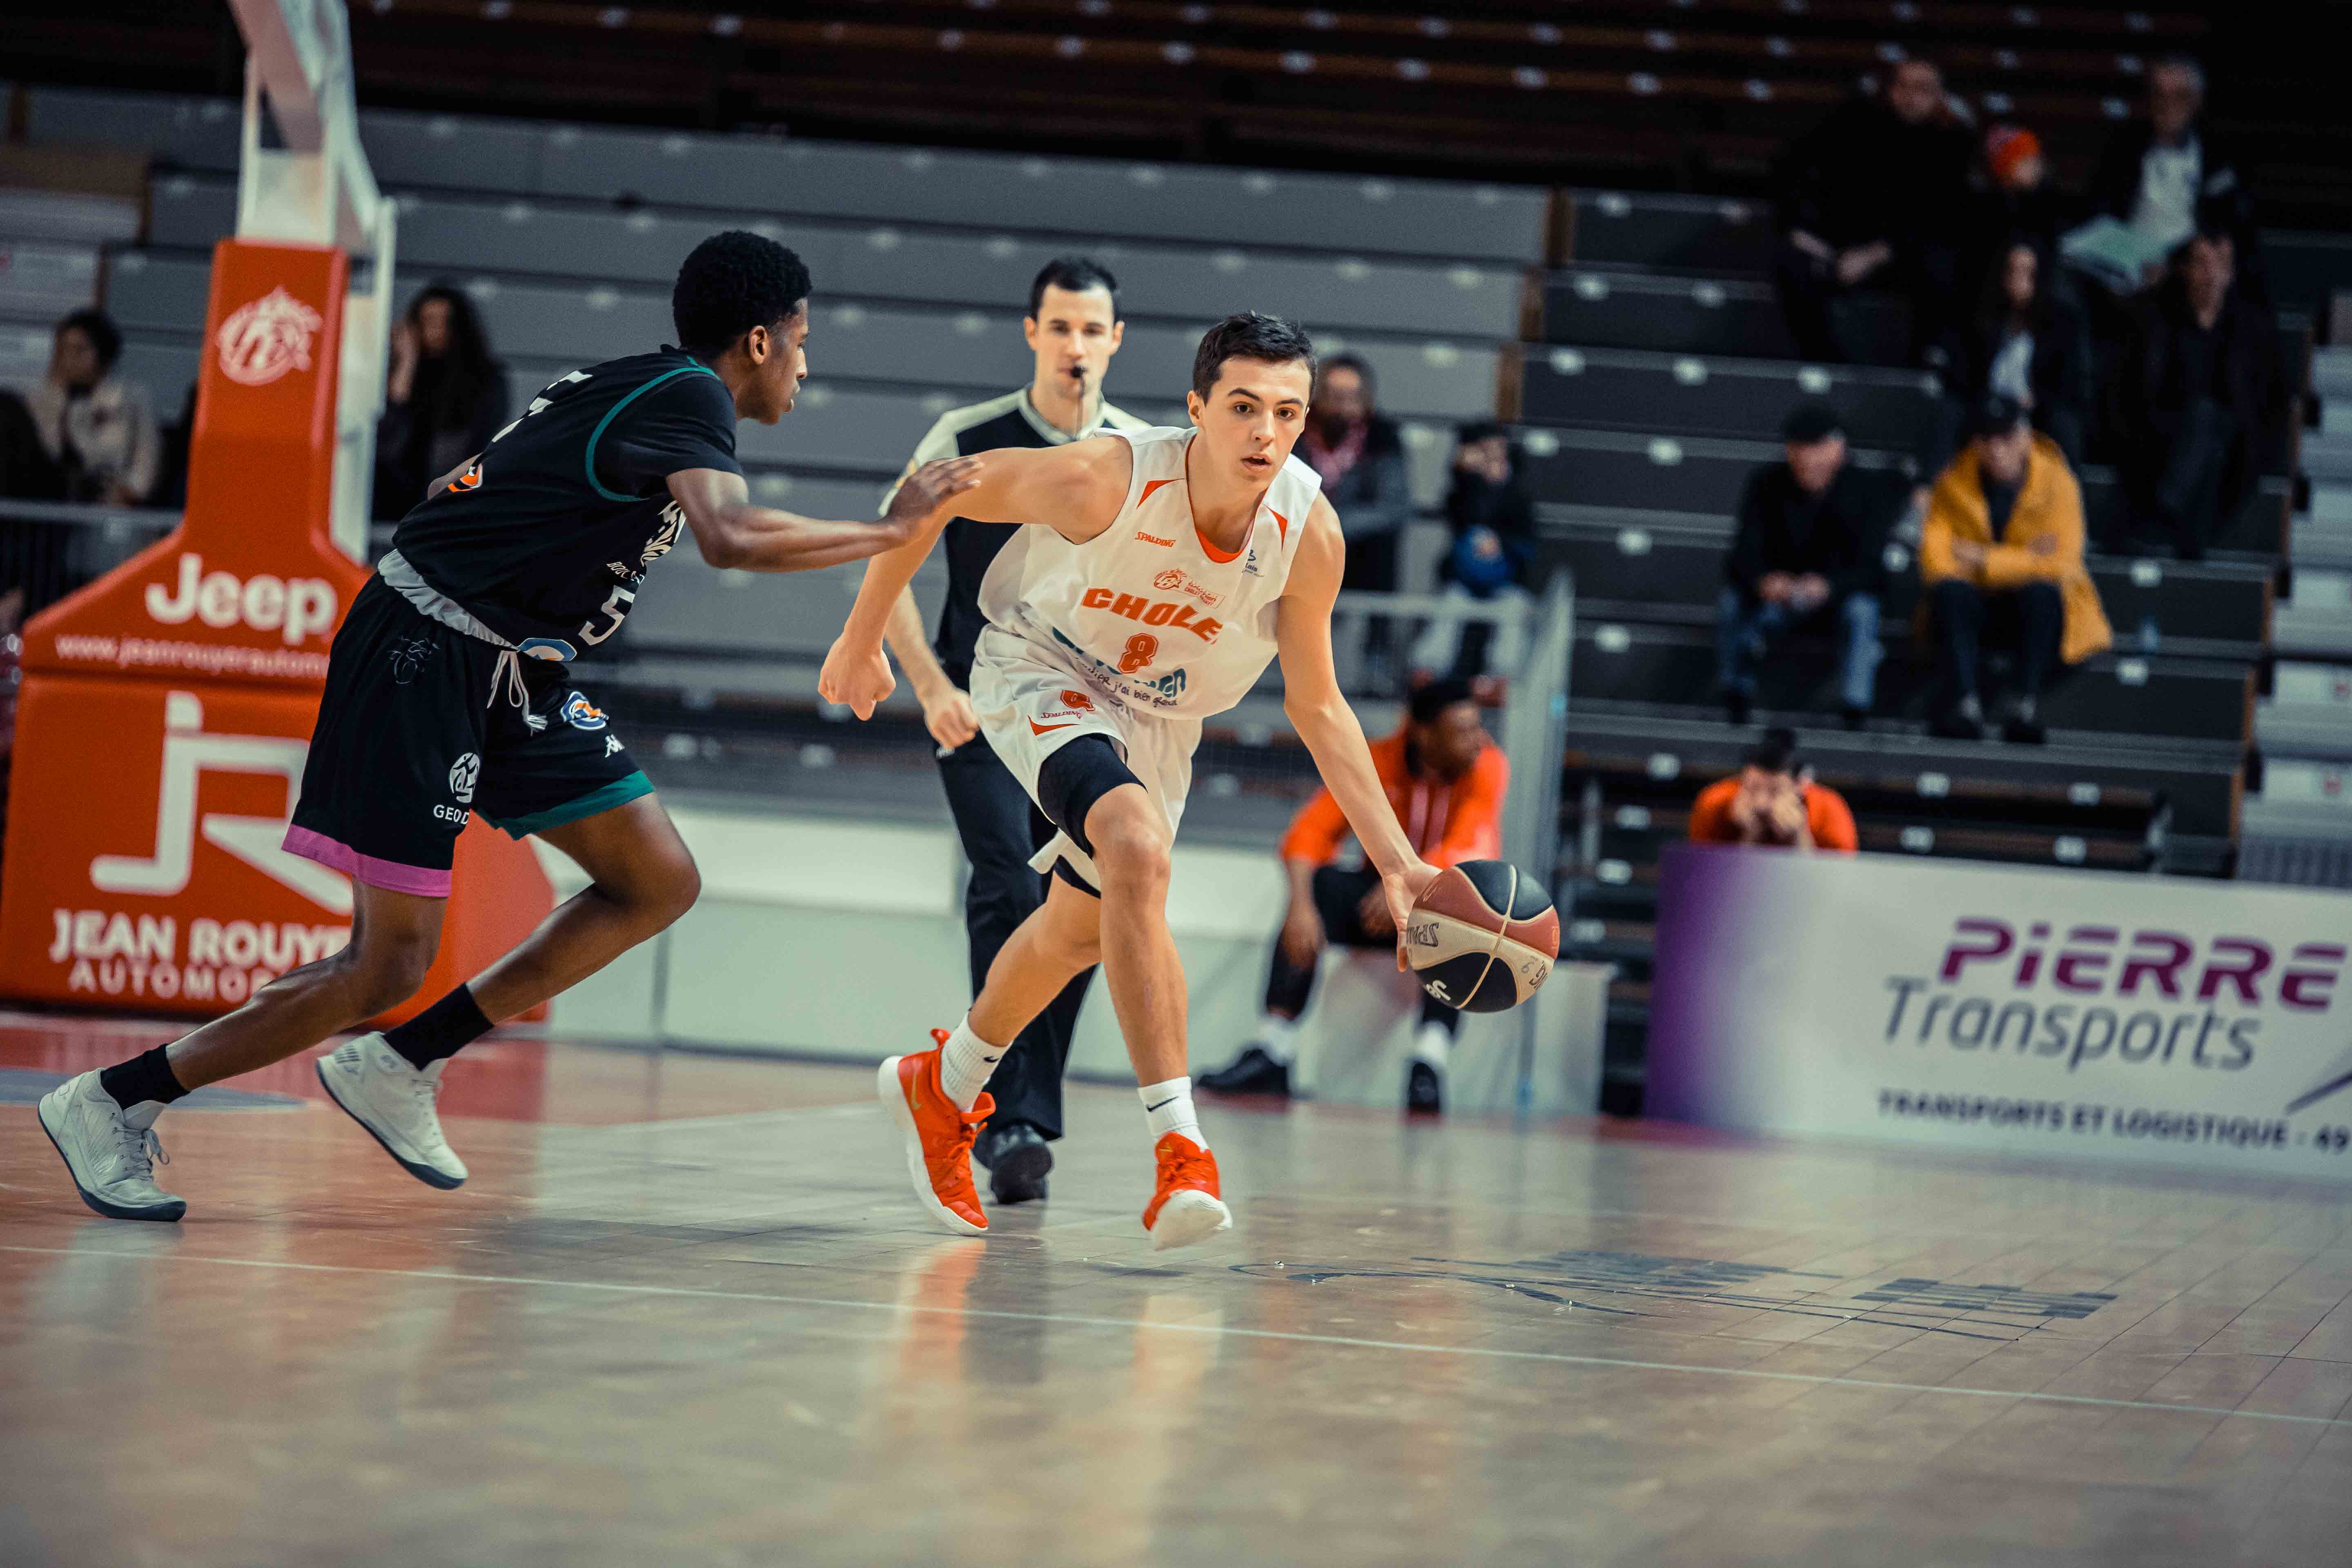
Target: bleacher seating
[[1655, 374], [1668, 91], [555, 236], [1650, 376], [2209, 610]]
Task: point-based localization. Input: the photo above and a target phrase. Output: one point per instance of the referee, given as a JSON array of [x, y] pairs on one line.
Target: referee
[[1073, 327]]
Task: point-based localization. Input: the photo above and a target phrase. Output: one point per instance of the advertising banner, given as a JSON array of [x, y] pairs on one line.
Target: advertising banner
[[167, 708], [2015, 1009]]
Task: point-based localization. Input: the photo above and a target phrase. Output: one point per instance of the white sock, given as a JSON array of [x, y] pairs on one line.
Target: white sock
[[1278, 1037], [1429, 1044], [1168, 1108], [965, 1062]]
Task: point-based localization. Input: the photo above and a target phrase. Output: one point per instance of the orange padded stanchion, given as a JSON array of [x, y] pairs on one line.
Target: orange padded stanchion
[[167, 706]]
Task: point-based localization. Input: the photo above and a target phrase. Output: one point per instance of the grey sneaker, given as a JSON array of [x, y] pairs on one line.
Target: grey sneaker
[[393, 1100], [111, 1153]]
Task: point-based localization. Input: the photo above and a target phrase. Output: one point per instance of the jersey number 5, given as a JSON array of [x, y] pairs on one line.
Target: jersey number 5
[[1141, 649], [616, 608]]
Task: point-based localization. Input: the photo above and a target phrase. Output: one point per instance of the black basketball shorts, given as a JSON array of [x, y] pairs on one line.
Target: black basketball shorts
[[421, 725]]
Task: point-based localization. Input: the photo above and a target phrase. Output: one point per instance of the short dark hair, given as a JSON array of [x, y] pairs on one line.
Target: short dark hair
[[732, 282], [1269, 340], [1356, 362], [1428, 702], [1775, 751], [103, 334], [1077, 274], [1811, 421]]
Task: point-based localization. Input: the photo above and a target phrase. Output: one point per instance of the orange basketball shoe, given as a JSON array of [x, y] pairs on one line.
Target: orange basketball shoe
[[1187, 1207], [938, 1136]]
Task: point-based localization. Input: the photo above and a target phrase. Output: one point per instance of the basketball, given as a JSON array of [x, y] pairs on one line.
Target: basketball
[[1483, 936]]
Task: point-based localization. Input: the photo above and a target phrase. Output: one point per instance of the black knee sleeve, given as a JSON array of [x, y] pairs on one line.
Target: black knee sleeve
[[1069, 783]]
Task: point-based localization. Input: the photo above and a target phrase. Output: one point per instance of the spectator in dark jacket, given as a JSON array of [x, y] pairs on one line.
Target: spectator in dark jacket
[[1806, 554], [445, 397], [2028, 342], [1873, 197], [2200, 402], [1361, 455], [1492, 520], [2019, 199], [2166, 177]]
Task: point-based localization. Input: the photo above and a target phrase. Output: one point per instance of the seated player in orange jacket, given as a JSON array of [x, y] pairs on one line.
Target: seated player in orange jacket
[[1772, 801], [1445, 779]]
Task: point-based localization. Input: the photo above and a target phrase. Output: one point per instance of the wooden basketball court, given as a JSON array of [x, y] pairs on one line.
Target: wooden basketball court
[[685, 1313]]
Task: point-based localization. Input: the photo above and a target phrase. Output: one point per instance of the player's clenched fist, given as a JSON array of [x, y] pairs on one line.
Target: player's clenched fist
[[860, 679]]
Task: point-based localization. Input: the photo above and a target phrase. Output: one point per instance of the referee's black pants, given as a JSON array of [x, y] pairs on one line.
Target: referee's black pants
[[1001, 830]]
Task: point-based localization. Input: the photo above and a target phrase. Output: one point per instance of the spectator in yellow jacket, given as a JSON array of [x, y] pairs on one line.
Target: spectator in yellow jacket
[[2001, 559]]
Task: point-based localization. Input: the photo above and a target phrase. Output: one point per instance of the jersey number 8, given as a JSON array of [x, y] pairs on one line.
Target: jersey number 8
[[1141, 649]]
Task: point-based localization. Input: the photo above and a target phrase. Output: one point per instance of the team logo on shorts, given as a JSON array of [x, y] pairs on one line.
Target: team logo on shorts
[[1173, 581], [1078, 702], [582, 714], [553, 649], [409, 658], [463, 772]]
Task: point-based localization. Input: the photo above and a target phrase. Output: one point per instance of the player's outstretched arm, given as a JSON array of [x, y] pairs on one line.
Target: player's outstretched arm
[[1075, 490], [734, 531], [1312, 701]]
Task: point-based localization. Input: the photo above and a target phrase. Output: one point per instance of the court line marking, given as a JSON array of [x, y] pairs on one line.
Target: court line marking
[[1557, 1357]]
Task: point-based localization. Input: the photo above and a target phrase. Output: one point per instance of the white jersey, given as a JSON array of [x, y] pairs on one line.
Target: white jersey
[[1147, 612]]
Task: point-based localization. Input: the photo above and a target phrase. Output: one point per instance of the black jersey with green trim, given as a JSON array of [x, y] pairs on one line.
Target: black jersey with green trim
[[546, 535]]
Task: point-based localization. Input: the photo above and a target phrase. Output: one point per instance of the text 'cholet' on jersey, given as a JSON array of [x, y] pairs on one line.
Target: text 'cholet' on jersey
[[1149, 611]]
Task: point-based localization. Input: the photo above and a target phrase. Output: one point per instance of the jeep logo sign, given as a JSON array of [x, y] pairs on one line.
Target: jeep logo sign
[[296, 608]]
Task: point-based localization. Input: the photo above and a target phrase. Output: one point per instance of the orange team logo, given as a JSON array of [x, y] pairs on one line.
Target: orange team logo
[[471, 480], [1174, 581], [1078, 702], [1173, 614], [266, 337], [1143, 538]]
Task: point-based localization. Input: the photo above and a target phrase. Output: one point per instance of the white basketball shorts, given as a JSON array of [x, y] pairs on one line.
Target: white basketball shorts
[[1032, 702]]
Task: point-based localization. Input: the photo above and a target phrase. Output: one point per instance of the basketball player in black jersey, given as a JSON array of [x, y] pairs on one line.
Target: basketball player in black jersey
[[449, 692], [1073, 327]]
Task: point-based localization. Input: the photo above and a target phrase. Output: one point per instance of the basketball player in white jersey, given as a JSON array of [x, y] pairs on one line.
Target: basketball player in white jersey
[[1165, 569]]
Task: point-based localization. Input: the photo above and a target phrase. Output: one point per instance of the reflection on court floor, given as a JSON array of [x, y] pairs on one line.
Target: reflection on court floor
[[685, 1313]]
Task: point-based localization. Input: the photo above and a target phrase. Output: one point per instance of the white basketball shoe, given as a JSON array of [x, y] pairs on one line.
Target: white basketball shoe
[[111, 1153], [394, 1101]]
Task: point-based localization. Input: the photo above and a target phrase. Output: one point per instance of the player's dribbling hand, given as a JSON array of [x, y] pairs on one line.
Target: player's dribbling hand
[[930, 487], [859, 680], [1404, 886]]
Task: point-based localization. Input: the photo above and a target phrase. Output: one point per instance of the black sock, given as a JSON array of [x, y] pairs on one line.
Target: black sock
[[145, 1077], [442, 1030]]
